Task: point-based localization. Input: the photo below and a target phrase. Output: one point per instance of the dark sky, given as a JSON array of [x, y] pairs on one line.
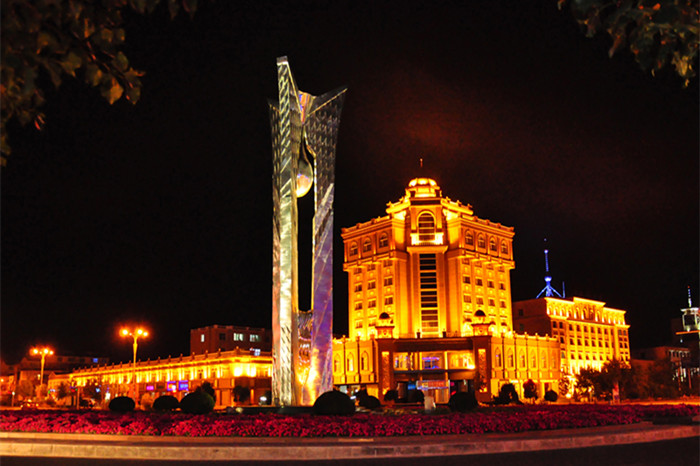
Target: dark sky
[[160, 213]]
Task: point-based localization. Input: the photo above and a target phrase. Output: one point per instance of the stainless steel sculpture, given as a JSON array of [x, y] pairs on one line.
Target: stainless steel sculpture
[[303, 126]]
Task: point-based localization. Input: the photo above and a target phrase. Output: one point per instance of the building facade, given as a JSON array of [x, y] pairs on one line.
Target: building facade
[[589, 333], [429, 303], [224, 370]]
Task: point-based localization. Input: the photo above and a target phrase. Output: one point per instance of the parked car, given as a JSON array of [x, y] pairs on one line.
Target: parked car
[[29, 404]]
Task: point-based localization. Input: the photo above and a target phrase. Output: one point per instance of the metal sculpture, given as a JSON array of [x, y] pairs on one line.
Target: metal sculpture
[[304, 136]]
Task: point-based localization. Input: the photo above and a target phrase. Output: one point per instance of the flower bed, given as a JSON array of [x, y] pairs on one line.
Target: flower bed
[[516, 419]]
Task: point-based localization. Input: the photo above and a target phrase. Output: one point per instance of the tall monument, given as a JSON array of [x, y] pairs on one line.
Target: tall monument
[[304, 135]]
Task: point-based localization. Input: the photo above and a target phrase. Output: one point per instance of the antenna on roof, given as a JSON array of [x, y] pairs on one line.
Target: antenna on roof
[[548, 290], [690, 300]]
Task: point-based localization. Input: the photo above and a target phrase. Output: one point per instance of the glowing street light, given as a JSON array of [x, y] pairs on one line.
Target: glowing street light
[[135, 334], [43, 352]]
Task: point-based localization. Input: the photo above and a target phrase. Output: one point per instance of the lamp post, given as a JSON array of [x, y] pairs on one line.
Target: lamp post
[[135, 334], [43, 352]]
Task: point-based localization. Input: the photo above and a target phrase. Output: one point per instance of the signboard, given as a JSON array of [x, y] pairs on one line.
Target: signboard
[[183, 385], [172, 386], [432, 384], [150, 388]]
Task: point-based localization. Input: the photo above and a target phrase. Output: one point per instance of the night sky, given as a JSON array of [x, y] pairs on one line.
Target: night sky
[[160, 213]]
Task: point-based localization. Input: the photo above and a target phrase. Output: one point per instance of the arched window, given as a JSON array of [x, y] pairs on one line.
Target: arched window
[[351, 363], [504, 247], [364, 361], [469, 238], [353, 249], [384, 240], [521, 359], [336, 365], [543, 359], [509, 357], [481, 242], [533, 360], [426, 227], [492, 244], [367, 245], [497, 357]]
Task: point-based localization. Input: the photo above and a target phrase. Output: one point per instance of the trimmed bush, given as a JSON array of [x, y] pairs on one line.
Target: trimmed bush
[[334, 403], [197, 402], [122, 404], [391, 395], [370, 402], [415, 396], [551, 395], [507, 395], [461, 402], [166, 403], [208, 389]]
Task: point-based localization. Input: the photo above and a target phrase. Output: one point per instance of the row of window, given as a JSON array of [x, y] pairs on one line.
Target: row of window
[[522, 361], [236, 337], [467, 280], [481, 242], [367, 245]]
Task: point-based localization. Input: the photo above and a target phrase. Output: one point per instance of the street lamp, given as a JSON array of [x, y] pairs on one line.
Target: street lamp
[[135, 334], [43, 352]]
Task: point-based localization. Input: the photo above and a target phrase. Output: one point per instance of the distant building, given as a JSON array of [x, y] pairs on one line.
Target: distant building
[[678, 356], [429, 304], [229, 337], [589, 333]]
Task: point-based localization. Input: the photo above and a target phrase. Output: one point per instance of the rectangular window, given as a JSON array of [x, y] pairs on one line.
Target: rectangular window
[[222, 337], [490, 283], [479, 282], [389, 300], [372, 303], [238, 337], [388, 281], [466, 279], [358, 287], [371, 285], [201, 338], [467, 298], [254, 337], [428, 292], [358, 305]]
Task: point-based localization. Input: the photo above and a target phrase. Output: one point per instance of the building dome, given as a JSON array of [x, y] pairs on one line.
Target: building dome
[[423, 187]]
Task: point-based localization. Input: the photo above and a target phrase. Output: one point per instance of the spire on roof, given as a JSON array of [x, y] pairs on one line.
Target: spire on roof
[[548, 290]]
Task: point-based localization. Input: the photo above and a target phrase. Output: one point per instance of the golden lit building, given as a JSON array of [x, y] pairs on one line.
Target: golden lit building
[[429, 303], [429, 264], [589, 333], [180, 375]]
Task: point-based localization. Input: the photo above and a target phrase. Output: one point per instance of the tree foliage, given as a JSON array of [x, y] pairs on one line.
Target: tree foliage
[[657, 32], [46, 41]]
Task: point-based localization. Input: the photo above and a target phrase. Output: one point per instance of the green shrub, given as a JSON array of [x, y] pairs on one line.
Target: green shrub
[[370, 402], [197, 402], [334, 403], [530, 390], [166, 403], [551, 395], [461, 402], [122, 404]]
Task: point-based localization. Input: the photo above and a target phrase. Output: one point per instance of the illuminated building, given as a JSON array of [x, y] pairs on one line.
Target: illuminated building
[[304, 127], [429, 304], [180, 375], [229, 337], [589, 333]]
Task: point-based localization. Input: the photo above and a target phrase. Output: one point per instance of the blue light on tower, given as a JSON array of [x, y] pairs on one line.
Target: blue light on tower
[[548, 290]]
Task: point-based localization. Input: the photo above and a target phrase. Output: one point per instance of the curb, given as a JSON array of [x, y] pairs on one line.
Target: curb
[[250, 449]]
